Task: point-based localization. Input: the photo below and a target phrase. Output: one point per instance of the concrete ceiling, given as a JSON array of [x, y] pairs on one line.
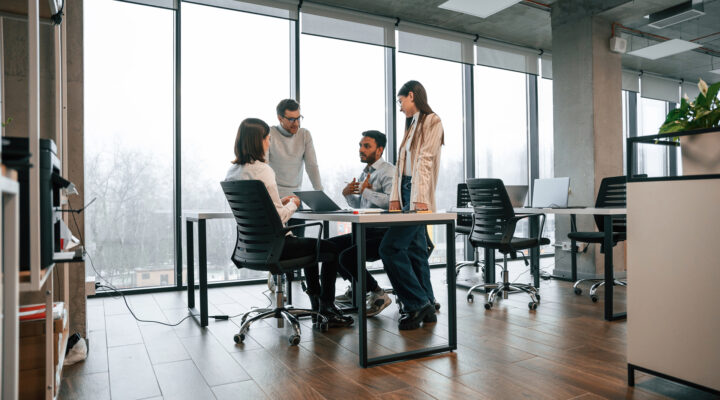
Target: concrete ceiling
[[528, 24]]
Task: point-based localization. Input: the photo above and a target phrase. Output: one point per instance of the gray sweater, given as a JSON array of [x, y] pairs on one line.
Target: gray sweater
[[286, 156]]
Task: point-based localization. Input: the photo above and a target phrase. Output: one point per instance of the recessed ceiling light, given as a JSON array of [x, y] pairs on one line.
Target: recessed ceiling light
[[478, 8], [665, 49]]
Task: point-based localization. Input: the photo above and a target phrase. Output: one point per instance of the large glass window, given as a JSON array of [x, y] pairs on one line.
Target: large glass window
[[501, 148], [545, 151], [129, 142], [652, 159], [235, 65], [342, 95], [443, 82]]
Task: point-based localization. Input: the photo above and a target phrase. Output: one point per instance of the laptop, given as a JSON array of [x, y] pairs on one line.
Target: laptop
[[318, 201], [551, 193], [517, 194]]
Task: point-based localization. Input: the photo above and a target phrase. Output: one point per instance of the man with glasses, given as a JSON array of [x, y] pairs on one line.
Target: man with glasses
[[290, 147]]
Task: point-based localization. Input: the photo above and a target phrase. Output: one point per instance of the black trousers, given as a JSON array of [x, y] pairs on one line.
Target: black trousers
[[318, 284], [348, 254]]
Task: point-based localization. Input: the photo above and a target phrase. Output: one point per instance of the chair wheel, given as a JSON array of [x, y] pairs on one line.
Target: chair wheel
[[532, 306], [239, 338], [294, 340], [324, 327], [470, 298], [594, 299], [578, 291], [488, 306]]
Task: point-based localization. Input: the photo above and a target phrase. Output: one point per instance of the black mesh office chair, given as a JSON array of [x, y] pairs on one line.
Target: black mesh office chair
[[612, 193], [260, 240], [494, 222], [463, 226]]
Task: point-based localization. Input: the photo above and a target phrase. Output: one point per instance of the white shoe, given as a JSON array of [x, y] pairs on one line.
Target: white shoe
[[345, 297], [376, 302]]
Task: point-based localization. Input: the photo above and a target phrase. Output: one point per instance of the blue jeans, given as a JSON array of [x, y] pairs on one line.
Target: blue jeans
[[404, 253]]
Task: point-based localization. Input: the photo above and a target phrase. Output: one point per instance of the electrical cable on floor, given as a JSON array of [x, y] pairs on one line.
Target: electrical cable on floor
[[109, 285]]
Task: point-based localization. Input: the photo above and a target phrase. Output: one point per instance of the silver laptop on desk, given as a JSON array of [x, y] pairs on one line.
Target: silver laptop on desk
[[551, 193], [319, 202], [517, 194]]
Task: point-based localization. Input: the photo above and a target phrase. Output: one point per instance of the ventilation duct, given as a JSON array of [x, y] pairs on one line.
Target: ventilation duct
[[677, 14]]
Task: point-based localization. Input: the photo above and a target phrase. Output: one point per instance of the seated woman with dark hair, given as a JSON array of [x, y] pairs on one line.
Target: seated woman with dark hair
[[251, 145]]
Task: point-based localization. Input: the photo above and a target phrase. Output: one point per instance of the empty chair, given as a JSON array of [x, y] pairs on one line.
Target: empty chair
[[260, 240], [463, 226], [494, 222], [612, 193]]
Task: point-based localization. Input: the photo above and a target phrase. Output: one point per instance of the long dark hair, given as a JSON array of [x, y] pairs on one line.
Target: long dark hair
[[249, 141], [419, 98]]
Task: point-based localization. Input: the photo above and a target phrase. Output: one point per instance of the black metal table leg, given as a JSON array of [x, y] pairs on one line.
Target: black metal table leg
[[360, 284], [535, 251], [190, 264], [609, 273], [573, 250], [450, 276], [202, 255]]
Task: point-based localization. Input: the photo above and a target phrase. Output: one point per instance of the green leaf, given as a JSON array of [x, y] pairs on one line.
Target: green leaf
[[713, 90], [675, 115], [675, 126], [701, 101]]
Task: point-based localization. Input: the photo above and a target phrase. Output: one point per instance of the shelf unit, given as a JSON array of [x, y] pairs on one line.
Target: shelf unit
[[36, 279]]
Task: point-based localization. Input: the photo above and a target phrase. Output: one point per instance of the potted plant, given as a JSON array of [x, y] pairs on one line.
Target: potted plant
[[700, 153]]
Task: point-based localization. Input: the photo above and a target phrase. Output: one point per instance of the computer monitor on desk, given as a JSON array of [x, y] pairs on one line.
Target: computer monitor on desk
[[551, 192]]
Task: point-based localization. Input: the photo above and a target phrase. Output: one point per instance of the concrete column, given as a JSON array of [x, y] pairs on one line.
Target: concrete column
[[587, 112]]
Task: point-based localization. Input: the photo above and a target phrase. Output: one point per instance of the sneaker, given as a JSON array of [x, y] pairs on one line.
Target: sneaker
[[412, 320], [376, 302]]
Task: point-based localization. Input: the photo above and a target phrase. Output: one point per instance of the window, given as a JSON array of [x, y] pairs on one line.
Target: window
[[652, 159], [235, 65], [128, 139], [342, 95], [546, 152], [443, 82], [501, 149]]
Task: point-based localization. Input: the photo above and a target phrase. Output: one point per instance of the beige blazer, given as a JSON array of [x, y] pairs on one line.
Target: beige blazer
[[425, 152]]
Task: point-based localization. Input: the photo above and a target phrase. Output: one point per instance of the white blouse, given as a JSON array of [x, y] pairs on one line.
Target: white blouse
[[262, 172]]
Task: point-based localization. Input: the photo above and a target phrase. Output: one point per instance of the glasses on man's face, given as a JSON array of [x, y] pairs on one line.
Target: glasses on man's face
[[292, 120]]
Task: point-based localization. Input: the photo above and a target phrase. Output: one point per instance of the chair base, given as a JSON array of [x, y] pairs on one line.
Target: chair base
[[505, 287], [289, 314], [593, 289]]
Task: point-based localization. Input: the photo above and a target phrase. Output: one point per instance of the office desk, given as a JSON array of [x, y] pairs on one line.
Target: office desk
[[608, 215], [359, 224]]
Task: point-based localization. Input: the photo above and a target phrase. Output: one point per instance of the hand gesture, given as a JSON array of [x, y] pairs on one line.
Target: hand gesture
[[351, 188], [395, 205], [366, 184]]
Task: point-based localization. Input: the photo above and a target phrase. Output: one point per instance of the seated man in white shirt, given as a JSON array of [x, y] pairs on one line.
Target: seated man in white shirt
[[371, 190]]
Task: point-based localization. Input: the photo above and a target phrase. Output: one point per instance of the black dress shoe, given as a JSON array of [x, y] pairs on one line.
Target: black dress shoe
[[335, 317], [412, 320]]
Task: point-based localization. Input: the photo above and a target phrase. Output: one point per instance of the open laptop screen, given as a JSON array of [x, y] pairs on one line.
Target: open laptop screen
[[551, 192]]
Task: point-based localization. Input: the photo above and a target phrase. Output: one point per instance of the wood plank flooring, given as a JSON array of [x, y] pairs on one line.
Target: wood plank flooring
[[563, 350]]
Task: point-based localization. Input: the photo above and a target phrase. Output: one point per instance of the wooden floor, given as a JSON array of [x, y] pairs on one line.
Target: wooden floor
[[564, 350]]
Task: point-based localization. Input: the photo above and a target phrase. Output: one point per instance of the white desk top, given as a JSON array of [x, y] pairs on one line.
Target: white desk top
[[194, 215], [564, 211]]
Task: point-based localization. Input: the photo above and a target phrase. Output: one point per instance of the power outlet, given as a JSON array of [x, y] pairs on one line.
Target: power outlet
[[566, 246]]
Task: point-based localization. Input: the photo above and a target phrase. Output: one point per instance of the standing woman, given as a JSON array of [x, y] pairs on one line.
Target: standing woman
[[251, 146], [404, 249]]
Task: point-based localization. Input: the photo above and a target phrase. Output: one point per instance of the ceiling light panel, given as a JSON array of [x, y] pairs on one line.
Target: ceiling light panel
[[665, 49], [478, 8]]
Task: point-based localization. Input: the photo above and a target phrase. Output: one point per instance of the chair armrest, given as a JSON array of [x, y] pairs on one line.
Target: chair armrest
[[512, 223], [319, 237]]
